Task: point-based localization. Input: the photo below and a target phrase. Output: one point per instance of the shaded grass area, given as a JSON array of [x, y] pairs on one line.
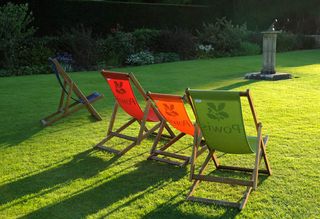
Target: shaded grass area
[[53, 172]]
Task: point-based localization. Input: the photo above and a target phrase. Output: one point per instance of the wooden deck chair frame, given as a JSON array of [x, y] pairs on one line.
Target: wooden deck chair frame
[[250, 184], [144, 132], [163, 101], [67, 103]]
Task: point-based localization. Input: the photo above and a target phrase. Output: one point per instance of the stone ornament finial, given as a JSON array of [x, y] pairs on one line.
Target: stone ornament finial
[[272, 28]]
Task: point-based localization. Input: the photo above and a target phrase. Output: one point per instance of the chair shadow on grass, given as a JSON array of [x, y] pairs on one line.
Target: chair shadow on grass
[[13, 135], [17, 133], [82, 165], [236, 85], [148, 176], [171, 210]]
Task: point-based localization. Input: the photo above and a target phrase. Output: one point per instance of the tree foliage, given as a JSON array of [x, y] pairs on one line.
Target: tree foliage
[[15, 30]]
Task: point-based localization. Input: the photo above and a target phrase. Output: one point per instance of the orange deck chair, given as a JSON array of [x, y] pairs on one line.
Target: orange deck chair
[[122, 90], [172, 108]]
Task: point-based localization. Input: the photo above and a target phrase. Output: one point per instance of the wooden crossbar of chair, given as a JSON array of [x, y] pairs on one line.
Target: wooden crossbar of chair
[[249, 184], [68, 104], [121, 87], [172, 109]]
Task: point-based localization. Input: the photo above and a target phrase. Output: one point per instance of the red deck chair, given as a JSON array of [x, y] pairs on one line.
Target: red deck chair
[[122, 90], [172, 108]]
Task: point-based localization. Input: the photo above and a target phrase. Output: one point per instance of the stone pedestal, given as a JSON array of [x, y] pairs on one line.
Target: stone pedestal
[[269, 52], [268, 71], [270, 77]]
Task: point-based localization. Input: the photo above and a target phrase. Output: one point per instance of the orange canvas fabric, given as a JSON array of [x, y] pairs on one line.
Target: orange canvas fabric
[[172, 109]]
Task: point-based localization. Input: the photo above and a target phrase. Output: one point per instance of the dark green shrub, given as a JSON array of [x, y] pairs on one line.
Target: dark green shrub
[[223, 36], [254, 37], [103, 51], [144, 39], [54, 43], [32, 70], [66, 61], [15, 29], [4, 72], [166, 57], [31, 58], [116, 47], [205, 51], [34, 58], [34, 52], [122, 44], [80, 43], [140, 58], [247, 48], [306, 42], [287, 42], [178, 41]]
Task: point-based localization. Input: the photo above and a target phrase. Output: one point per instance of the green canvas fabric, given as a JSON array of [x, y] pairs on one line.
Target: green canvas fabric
[[219, 116]]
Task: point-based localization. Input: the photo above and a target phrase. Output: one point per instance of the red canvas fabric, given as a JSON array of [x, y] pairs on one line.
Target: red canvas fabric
[[172, 109], [122, 91]]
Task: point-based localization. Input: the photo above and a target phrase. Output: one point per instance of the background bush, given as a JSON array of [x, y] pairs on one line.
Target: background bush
[[295, 16], [178, 41], [15, 30], [117, 47], [289, 41], [224, 37], [166, 57], [79, 48], [144, 39], [140, 58], [79, 42], [247, 48]]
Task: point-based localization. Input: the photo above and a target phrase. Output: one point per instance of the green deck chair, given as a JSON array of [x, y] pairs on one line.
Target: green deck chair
[[219, 120]]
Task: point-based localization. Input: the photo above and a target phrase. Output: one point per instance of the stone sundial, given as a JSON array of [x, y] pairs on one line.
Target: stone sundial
[[268, 71]]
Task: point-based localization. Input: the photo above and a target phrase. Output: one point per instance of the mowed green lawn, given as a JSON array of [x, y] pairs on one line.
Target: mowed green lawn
[[53, 172]]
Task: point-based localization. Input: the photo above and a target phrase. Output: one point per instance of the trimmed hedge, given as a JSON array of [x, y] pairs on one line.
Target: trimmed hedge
[[294, 15], [79, 48]]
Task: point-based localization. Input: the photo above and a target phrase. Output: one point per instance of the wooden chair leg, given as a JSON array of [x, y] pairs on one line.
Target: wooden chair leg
[[120, 153], [141, 138], [113, 118], [93, 112], [143, 121], [172, 141], [136, 140], [202, 169], [145, 128], [194, 151], [112, 134], [215, 159], [157, 139], [193, 156], [264, 154], [161, 151], [62, 97], [252, 184], [245, 198], [172, 135], [68, 98], [255, 172], [240, 205], [45, 120], [63, 114]]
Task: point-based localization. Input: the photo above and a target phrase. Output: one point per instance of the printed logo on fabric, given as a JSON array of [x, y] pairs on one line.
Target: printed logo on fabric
[[169, 110], [216, 112], [119, 88]]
